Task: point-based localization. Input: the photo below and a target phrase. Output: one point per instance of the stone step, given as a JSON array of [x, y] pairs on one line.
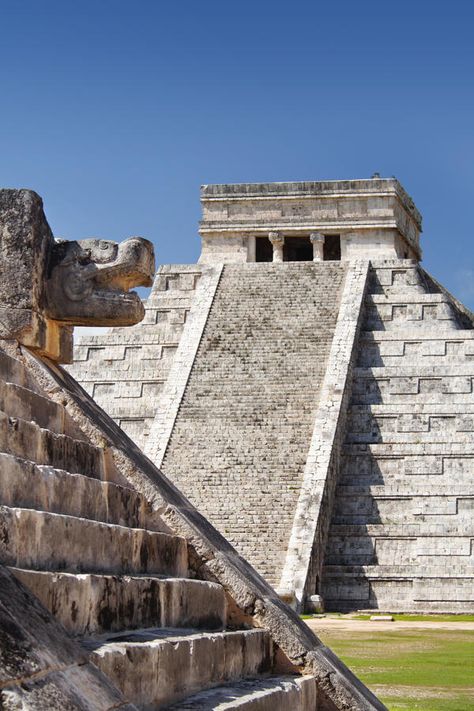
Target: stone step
[[425, 348], [436, 334], [29, 441], [93, 604], [387, 510], [412, 409], [30, 406], [12, 370], [453, 369], [413, 570], [404, 449], [392, 315], [447, 529], [453, 565], [404, 298], [147, 335], [407, 488], [27, 485], [413, 353], [382, 433], [54, 542], [285, 693], [142, 374], [157, 667], [451, 383]]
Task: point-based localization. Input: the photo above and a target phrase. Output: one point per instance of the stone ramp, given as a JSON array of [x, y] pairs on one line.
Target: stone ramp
[[241, 436], [401, 533]]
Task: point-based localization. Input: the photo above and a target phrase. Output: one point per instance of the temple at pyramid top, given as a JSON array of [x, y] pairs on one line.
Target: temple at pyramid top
[[308, 221]]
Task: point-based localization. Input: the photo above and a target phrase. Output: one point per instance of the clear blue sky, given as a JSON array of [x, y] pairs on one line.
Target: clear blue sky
[[115, 112]]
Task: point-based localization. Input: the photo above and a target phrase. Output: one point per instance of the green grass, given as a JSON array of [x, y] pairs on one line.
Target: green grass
[[461, 702], [415, 670], [422, 618]]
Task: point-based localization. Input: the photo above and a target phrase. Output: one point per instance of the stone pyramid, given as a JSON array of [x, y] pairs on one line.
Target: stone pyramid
[[309, 386], [115, 592]]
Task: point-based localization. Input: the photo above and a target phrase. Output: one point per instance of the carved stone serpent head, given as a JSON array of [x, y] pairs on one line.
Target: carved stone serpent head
[[47, 287]]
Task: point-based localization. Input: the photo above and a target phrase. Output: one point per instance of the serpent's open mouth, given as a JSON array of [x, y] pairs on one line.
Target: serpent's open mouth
[[91, 282]]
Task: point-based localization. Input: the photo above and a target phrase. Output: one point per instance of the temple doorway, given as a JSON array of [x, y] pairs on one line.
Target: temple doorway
[[298, 249], [332, 248], [263, 250]]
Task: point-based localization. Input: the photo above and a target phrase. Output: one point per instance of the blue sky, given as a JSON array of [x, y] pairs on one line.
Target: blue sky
[[115, 112]]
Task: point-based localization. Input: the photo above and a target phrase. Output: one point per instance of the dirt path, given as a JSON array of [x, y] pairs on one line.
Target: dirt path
[[348, 625]]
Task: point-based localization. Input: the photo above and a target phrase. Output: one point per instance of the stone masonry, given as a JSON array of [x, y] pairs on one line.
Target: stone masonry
[[342, 443], [115, 592], [241, 437], [402, 526], [124, 371], [372, 218]]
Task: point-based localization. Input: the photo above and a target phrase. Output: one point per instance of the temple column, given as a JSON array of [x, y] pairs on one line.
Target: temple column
[[277, 241], [317, 240]]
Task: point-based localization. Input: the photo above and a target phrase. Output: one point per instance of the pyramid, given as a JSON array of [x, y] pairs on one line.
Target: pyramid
[[309, 386], [115, 592]]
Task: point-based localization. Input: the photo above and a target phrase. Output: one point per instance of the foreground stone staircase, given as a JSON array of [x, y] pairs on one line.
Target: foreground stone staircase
[[93, 552], [402, 528]]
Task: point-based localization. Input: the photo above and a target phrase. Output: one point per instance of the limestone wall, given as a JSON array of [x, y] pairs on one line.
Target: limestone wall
[[124, 370], [374, 217]]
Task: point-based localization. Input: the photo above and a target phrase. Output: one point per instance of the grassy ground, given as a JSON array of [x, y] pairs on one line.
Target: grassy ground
[[411, 670], [422, 618]]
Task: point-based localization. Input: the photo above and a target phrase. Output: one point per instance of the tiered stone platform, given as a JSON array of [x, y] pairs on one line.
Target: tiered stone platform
[[402, 529]]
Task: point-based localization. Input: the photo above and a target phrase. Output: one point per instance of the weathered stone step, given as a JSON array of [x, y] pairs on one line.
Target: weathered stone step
[[32, 407], [405, 297], [285, 693], [146, 335], [429, 384], [446, 529], [29, 441], [408, 409], [408, 487], [407, 595], [436, 334], [27, 485], [426, 347], [410, 448], [54, 542], [382, 433], [417, 371], [412, 570], [157, 667], [12, 370], [384, 314], [401, 505], [93, 604]]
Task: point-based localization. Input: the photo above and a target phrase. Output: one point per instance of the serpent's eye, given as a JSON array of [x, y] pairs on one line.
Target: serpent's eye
[[85, 257]]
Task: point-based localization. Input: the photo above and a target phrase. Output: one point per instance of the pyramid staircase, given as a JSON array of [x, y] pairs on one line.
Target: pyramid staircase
[[94, 553]]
